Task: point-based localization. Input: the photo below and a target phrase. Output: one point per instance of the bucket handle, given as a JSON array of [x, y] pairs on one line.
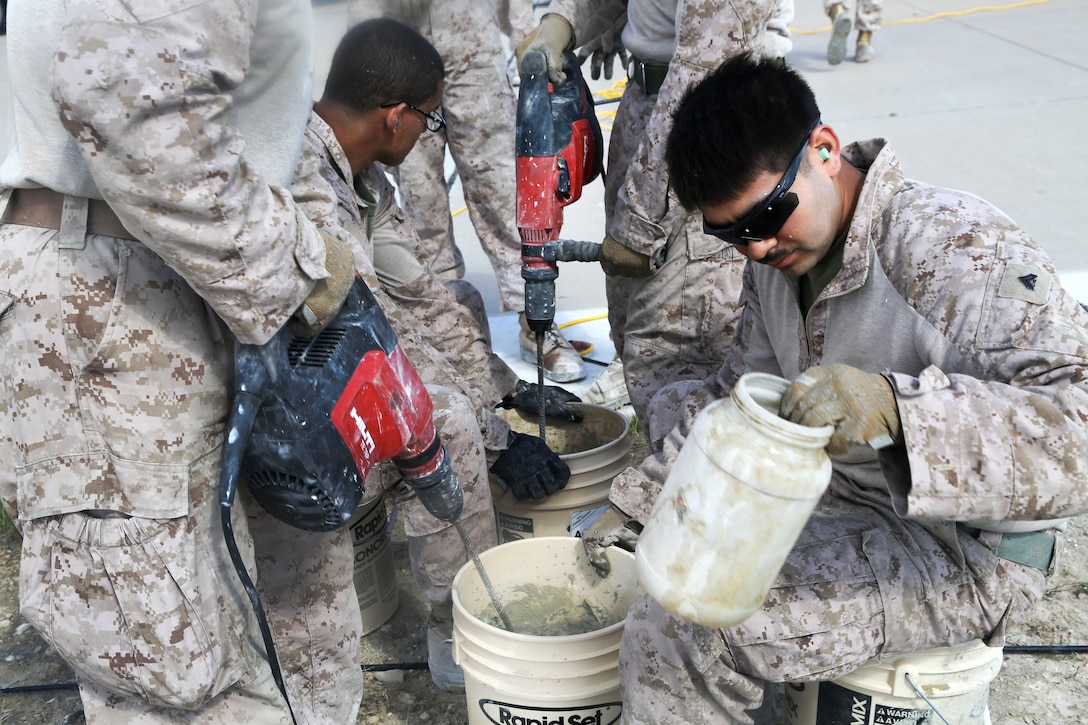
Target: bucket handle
[[910, 681]]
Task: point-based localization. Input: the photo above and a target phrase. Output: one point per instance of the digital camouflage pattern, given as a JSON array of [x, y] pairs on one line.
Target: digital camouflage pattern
[[117, 370], [868, 12], [463, 405], [669, 326], [478, 103], [988, 357]]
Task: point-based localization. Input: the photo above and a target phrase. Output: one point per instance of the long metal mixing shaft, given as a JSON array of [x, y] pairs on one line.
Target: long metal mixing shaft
[[540, 381], [484, 577]]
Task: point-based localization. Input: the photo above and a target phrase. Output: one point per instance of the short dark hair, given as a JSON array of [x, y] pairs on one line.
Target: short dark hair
[[381, 61], [746, 118]]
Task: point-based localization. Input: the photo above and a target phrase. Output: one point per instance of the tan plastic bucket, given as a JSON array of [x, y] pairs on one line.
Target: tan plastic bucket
[[956, 680], [374, 572], [595, 449], [532, 678]]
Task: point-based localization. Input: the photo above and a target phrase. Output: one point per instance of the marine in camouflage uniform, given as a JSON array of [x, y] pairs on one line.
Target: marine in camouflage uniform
[[116, 377], [987, 359], [669, 325], [478, 102], [464, 409], [353, 131]]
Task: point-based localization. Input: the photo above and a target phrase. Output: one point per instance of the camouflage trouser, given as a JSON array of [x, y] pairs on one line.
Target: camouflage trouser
[[479, 106], [152, 617], [677, 324], [859, 583], [868, 13], [435, 549], [115, 384]]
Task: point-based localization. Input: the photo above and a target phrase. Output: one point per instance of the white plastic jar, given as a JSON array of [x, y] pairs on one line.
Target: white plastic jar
[[737, 497]]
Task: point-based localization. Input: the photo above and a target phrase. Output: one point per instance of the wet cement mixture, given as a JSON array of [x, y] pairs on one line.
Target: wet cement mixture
[[1045, 689]]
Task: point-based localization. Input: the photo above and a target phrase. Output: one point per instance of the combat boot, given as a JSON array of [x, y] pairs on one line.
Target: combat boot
[[562, 363], [445, 673], [864, 52], [840, 33]]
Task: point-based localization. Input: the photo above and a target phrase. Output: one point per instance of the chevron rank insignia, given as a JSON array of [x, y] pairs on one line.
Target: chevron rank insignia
[[1030, 284]]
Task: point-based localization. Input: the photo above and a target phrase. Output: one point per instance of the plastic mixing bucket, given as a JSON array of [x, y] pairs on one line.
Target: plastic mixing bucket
[[596, 449], [956, 680], [538, 678], [374, 572]]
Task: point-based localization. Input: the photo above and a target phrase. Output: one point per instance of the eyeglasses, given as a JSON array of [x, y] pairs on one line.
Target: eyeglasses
[[433, 120], [768, 217]]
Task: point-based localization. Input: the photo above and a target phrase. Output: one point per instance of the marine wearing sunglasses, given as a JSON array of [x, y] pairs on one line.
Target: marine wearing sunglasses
[[769, 216]]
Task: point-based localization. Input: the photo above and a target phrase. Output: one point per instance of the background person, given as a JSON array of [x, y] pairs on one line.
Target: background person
[[671, 289], [868, 22], [479, 104]]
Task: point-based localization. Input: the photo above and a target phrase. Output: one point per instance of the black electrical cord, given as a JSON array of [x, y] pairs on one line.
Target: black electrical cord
[[50, 686], [251, 378], [1026, 649], [1046, 649]]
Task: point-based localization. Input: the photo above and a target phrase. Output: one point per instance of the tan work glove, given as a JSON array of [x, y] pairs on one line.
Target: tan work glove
[[860, 405], [328, 294], [619, 261], [410, 9], [554, 35]]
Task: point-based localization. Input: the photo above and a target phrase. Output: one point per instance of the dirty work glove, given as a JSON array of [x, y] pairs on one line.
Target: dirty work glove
[[860, 405], [612, 528], [604, 50], [327, 296], [410, 9], [529, 468], [619, 261], [556, 401], [553, 36]]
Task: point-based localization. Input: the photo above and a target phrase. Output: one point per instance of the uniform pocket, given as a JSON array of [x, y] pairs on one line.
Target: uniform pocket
[[135, 606], [711, 297]]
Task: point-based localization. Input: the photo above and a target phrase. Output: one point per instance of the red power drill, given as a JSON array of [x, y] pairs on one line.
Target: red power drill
[[313, 415], [558, 149]]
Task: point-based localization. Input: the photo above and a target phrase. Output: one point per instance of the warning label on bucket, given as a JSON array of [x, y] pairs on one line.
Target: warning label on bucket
[[841, 706], [513, 528], [504, 713]]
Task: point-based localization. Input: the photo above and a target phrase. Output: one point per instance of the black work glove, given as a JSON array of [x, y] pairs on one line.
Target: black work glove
[[556, 401], [605, 49], [529, 468]]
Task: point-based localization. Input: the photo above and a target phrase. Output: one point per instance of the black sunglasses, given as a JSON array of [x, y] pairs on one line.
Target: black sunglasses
[[768, 217], [433, 120]]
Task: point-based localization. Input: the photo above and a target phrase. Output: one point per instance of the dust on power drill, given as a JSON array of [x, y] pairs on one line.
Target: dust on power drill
[[312, 415], [558, 149]]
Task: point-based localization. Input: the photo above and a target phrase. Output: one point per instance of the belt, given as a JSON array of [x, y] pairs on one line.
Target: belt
[[44, 208], [1030, 548], [648, 75]]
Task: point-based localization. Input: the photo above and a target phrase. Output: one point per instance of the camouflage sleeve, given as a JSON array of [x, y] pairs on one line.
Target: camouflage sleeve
[[707, 32], [449, 326], [328, 201], [1005, 437], [146, 93]]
